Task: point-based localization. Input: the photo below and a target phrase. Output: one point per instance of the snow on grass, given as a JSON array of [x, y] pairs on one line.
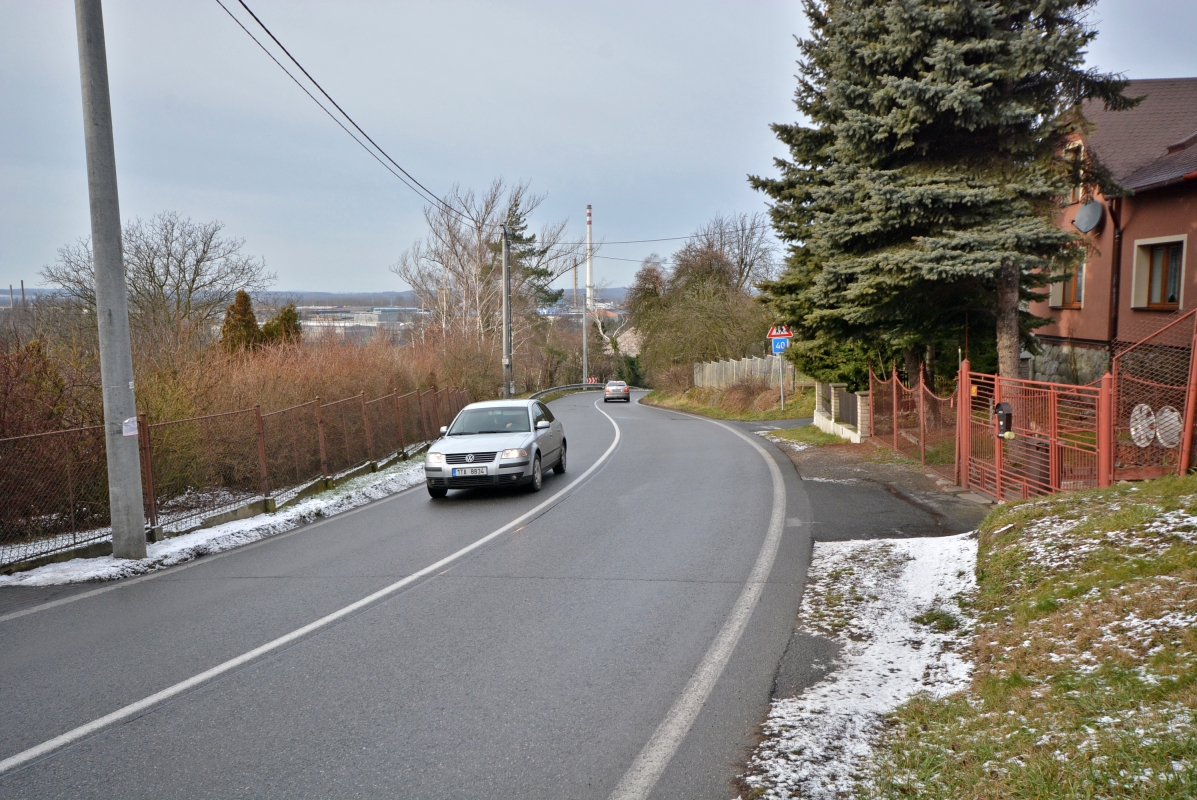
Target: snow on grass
[[353, 493], [894, 606], [1085, 648]]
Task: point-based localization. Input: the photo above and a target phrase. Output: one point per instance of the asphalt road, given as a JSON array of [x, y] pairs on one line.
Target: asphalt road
[[556, 659], [538, 665]]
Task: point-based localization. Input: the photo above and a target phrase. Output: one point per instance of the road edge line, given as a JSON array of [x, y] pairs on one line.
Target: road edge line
[[654, 757], [96, 725]]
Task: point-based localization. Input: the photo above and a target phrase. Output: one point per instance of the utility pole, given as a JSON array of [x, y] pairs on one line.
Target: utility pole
[[112, 302], [586, 304], [508, 381]]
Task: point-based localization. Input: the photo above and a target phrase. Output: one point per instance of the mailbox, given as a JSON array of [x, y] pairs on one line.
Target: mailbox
[[1005, 420]]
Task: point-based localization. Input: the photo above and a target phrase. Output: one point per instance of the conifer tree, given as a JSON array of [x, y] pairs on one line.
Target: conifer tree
[[240, 330], [283, 326], [928, 182]]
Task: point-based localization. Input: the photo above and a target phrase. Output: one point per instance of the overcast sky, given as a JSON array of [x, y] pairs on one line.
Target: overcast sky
[[654, 112]]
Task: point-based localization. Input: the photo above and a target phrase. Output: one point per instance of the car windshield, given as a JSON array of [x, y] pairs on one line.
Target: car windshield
[[617, 383], [496, 419]]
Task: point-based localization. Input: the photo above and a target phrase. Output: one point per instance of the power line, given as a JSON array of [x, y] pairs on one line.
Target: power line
[[331, 116], [403, 175]]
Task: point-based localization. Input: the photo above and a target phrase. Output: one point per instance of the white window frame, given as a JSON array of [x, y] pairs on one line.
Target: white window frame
[[1055, 292], [1141, 268]]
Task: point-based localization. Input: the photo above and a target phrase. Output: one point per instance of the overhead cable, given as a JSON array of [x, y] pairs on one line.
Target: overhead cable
[[403, 175]]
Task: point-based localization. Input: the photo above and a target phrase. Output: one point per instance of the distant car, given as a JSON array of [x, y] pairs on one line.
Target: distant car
[[496, 443], [617, 390]]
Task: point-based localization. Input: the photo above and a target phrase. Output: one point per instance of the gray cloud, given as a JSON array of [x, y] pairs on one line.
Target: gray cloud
[[653, 112]]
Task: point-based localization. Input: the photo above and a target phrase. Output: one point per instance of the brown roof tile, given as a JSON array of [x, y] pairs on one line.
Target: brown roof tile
[[1133, 144]]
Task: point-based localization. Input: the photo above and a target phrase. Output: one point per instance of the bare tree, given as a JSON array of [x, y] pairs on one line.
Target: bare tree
[[177, 271], [746, 241], [456, 271]]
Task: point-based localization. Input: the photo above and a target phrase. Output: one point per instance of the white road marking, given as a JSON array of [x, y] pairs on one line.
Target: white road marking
[[646, 770], [199, 562], [133, 709]]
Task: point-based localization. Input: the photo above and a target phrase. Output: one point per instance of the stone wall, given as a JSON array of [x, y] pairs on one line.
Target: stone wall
[[1060, 362]]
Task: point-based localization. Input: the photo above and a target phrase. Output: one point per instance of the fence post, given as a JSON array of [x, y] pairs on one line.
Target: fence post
[[263, 468], [893, 376], [922, 417], [997, 440], [399, 422], [1053, 440], [872, 391], [366, 425], [1105, 431], [964, 420], [147, 466], [1186, 442], [420, 412], [320, 436]]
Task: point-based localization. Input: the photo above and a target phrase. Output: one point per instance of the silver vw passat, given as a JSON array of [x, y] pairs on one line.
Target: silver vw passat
[[497, 443]]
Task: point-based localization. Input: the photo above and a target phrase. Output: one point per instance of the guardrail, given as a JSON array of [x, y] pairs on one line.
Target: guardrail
[[571, 387]]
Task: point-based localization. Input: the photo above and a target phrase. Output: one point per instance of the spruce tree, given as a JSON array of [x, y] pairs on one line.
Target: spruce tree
[[283, 326], [928, 182], [240, 330]]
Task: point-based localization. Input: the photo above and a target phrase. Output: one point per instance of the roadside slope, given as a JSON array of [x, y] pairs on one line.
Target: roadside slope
[[1085, 653]]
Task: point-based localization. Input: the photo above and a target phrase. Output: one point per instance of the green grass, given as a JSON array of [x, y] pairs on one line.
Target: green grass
[[807, 434], [1086, 658], [799, 406]]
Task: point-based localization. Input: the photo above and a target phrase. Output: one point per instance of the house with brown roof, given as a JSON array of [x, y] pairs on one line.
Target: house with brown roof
[[1141, 270]]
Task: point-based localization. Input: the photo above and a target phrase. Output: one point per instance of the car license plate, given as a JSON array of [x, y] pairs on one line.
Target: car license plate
[[461, 471]]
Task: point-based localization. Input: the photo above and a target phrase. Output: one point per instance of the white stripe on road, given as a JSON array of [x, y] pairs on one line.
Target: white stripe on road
[[646, 770], [133, 709]]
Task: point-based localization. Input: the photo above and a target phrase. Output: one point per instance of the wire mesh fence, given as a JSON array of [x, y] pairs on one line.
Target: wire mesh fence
[[53, 492], [914, 421], [194, 468], [54, 486], [1152, 407]]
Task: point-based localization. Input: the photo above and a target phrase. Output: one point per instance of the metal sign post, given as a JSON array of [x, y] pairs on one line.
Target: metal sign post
[[779, 336]]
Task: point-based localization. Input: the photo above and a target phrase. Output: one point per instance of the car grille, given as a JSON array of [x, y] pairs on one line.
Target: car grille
[[479, 458], [471, 480]]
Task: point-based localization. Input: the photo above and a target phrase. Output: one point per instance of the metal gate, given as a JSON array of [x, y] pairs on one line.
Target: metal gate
[[1055, 444]]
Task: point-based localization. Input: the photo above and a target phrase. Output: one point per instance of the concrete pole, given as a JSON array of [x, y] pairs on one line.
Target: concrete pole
[[508, 382], [588, 303], [112, 310]]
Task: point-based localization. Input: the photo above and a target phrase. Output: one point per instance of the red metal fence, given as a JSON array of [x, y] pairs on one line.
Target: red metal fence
[[1153, 411], [923, 427], [54, 486], [1059, 438]]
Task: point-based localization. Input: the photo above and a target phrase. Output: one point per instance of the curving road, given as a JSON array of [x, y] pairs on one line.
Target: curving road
[[623, 638]]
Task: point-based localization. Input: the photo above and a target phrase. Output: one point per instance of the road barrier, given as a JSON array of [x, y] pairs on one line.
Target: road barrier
[[54, 486]]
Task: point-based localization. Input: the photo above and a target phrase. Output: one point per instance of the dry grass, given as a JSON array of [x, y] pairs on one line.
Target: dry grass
[[745, 401], [1086, 654]]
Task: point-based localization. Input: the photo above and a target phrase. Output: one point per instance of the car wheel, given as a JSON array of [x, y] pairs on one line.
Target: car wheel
[[537, 476], [560, 468], [437, 492]]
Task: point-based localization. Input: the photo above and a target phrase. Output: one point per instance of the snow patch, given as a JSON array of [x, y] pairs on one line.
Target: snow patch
[[867, 595], [159, 555]]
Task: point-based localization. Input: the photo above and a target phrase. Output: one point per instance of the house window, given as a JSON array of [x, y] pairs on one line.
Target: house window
[[1075, 153], [1073, 289], [1163, 283]]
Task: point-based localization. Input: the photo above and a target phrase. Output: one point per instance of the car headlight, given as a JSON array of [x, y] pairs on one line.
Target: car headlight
[[517, 453], [435, 460]]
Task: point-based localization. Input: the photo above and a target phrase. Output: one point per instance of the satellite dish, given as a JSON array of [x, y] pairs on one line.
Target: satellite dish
[[1088, 216], [1142, 425], [1168, 426]]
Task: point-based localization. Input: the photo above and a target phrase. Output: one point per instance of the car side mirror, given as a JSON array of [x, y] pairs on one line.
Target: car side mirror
[[542, 425], [444, 429]]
